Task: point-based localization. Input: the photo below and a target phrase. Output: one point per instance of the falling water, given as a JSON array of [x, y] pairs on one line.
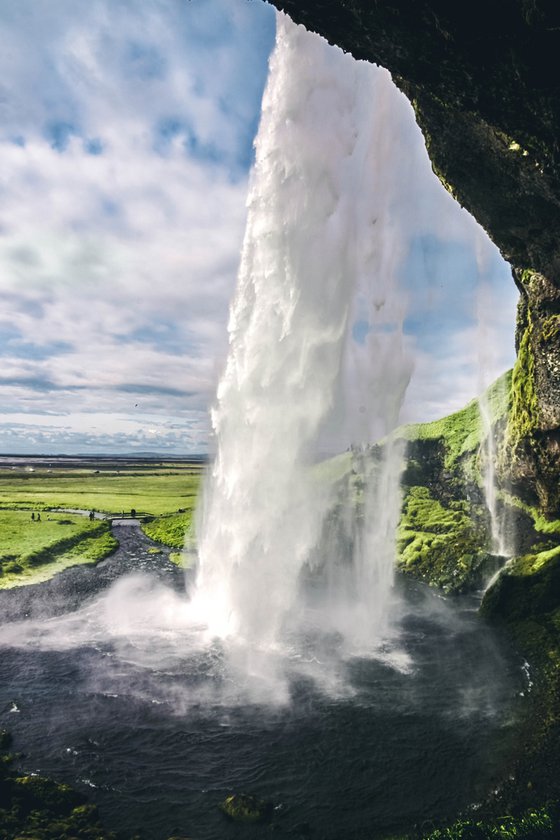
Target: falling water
[[502, 537], [320, 233]]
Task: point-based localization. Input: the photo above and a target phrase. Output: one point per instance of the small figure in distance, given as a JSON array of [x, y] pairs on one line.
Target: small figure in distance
[[91, 516], [133, 513], [38, 517], [33, 516]]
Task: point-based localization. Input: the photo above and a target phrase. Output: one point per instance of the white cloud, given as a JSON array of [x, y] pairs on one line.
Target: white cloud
[[116, 268]]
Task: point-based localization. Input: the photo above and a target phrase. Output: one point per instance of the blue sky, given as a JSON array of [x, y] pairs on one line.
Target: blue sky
[[125, 149]]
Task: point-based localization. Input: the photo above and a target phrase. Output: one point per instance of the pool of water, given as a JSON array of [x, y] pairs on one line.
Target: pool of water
[[158, 730]]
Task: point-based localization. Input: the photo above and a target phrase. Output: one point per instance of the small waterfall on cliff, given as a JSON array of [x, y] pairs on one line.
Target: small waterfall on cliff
[[321, 234], [491, 399], [501, 538]]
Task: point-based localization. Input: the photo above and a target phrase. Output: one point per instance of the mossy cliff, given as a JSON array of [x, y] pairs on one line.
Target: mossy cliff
[[525, 602], [483, 80], [444, 536], [444, 540], [532, 461]]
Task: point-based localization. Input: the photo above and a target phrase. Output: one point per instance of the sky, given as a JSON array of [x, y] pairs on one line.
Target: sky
[[126, 143]]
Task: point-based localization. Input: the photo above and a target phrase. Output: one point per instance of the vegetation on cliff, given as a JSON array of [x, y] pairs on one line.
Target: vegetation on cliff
[[441, 544], [444, 532], [523, 416], [443, 538]]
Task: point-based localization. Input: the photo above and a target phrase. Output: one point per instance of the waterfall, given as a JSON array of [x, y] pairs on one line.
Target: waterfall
[[497, 516], [491, 402], [320, 235]]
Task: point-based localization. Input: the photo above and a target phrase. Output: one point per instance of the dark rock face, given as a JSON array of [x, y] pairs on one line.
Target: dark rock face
[[534, 438], [483, 79]]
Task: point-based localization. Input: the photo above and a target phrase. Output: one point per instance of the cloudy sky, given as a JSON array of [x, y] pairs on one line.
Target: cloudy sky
[[126, 137]]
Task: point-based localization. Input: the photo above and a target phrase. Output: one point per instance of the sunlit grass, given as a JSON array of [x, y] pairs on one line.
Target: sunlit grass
[[33, 550], [154, 493]]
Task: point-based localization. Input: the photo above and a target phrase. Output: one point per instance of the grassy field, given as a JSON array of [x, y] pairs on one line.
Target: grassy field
[[31, 550], [154, 492]]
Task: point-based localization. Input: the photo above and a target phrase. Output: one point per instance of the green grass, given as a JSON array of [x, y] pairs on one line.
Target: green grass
[[154, 492], [462, 432], [169, 529], [33, 551]]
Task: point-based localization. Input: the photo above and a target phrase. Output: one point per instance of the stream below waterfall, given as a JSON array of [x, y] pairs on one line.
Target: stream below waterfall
[[424, 728]]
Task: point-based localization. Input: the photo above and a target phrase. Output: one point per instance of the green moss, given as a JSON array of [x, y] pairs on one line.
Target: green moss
[[243, 807], [181, 559], [550, 328], [39, 792], [38, 808], [540, 523], [533, 824], [526, 276], [445, 546], [529, 587], [524, 413]]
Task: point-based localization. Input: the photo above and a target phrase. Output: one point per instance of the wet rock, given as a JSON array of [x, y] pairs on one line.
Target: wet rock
[[243, 807], [33, 792], [178, 837]]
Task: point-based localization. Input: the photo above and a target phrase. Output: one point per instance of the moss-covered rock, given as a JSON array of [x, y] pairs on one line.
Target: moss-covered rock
[[31, 792], [38, 808], [444, 533], [529, 587], [445, 546], [243, 807], [532, 824], [525, 602]]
